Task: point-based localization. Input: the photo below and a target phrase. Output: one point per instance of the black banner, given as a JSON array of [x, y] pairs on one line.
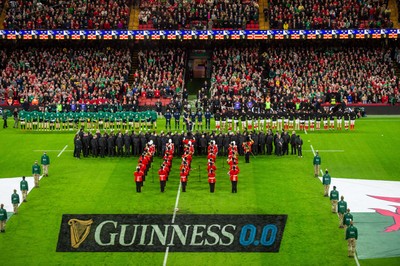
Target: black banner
[[188, 233]]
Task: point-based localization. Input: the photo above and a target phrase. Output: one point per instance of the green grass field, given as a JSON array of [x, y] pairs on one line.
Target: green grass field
[[268, 185]]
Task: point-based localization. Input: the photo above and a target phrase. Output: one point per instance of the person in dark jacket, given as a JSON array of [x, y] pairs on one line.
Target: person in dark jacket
[[299, 145], [102, 145], [293, 143], [120, 144], [269, 141], [111, 145], [78, 147], [127, 142]]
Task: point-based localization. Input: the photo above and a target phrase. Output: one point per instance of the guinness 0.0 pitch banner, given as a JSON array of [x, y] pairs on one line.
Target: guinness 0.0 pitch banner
[[153, 233]]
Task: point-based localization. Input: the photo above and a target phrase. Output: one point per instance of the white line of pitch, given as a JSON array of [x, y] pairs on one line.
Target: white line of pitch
[[322, 173], [381, 120], [326, 151], [312, 149], [49, 150], [62, 151], [356, 259], [173, 220]]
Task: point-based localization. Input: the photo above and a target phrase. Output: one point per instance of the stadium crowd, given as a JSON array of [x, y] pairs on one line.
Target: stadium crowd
[[362, 74], [251, 76], [77, 14], [326, 14], [54, 75], [236, 71], [160, 72], [287, 75], [198, 14]]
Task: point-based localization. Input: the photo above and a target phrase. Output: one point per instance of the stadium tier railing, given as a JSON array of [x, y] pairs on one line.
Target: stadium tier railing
[[155, 35]]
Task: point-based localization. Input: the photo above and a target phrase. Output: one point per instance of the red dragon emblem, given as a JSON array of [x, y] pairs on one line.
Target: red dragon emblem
[[394, 215]]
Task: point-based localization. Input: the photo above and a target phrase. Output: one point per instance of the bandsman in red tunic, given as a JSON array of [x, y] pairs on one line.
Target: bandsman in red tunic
[[212, 148], [184, 174], [232, 149], [211, 157], [233, 173], [163, 178], [211, 180], [232, 162], [211, 166], [247, 148], [138, 179], [170, 145]]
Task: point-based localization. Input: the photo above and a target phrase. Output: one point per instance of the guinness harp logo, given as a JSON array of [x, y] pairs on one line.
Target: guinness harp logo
[[79, 231]]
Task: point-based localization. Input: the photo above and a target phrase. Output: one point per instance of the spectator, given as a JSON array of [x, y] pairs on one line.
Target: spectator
[[325, 14], [65, 75], [305, 75], [198, 14], [161, 72], [76, 14]]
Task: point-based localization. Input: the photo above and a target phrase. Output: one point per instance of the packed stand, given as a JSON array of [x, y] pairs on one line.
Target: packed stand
[[198, 14], [74, 15], [45, 76], [236, 73], [326, 14], [160, 73], [332, 74], [243, 79]]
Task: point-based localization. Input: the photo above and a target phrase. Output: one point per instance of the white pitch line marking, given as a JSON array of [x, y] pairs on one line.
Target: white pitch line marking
[[356, 259], [312, 149], [176, 202], [62, 151], [381, 120], [173, 220], [325, 151], [49, 150]]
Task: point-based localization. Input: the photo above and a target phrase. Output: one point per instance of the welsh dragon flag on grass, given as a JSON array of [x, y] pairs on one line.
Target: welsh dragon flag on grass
[[375, 206]]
